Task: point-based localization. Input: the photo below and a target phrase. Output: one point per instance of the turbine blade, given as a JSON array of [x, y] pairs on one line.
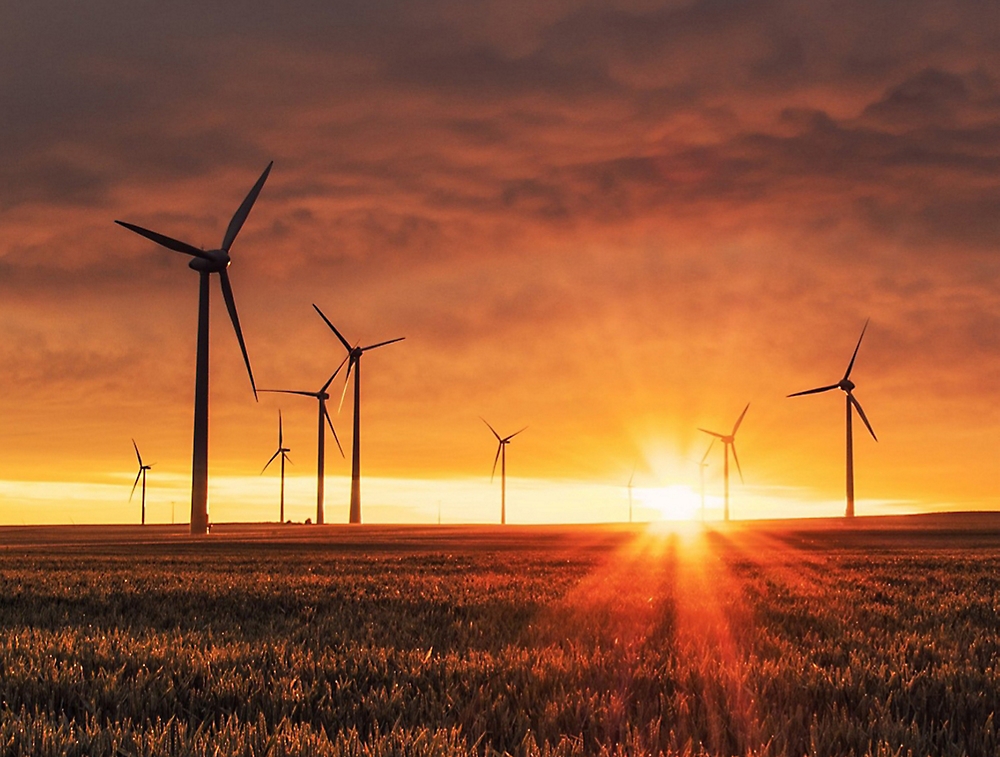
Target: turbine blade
[[286, 391], [711, 433], [735, 458], [705, 456], [491, 429], [383, 344], [740, 419], [857, 406], [240, 217], [495, 459], [227, 294], [850, 366], [333, 430], [340, 336], [164, 241], [137, 477], [289, 459], [347, 380], [507, 439], [333, 375], [137, 455], [815, 391], [269, 462]]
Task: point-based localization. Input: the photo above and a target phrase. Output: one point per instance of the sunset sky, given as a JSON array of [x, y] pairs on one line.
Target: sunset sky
[[610, 222]]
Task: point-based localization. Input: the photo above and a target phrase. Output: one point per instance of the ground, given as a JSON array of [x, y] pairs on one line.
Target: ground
[[771, 638]]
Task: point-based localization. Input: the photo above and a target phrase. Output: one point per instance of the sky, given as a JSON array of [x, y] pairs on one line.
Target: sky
[[613, 223]]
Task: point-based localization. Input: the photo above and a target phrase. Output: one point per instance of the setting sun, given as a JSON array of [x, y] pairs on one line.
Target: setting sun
[[675, 502]]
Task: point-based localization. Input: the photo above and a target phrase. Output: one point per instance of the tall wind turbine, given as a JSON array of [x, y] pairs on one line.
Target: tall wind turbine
[[354, 364], [141, 474], [701, 470], [502, 443], [728, 442], [324, 418], [283, 451], [847, 386], [207, 262]]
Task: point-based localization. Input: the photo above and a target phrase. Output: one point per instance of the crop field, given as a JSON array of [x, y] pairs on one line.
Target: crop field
[[766, 639]]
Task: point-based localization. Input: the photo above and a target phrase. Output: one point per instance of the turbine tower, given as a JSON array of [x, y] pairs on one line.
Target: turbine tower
[[206, 263], [283, 451], [701, 470], [502, 456], [141, 474], [728, 442], [847, 386], [354, 364], [324, 418], [630, 478]]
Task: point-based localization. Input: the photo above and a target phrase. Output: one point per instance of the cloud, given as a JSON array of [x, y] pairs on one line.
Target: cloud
[[606, 217]]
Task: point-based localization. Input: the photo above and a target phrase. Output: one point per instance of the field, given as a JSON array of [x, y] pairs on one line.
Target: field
[[771, 639]]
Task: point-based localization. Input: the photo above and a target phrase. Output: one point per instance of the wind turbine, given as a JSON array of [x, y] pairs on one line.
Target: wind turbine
[[324, 415], [701, 470], [354, 363], [847, 386], [728, 442], [283, 451], [630, 479], [141, 474], [502, 456], [207, 262]]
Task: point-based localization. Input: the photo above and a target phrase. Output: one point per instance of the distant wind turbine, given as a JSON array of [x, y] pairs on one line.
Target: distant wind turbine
[[728, 442], [141, 474], [502, 443], [283, 452], [847, 386], [701, 470], [630, 478], [324, 420], [354, 364], [207, 262]]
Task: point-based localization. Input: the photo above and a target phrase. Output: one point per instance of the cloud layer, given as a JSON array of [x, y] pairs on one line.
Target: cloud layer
[[613, 223]]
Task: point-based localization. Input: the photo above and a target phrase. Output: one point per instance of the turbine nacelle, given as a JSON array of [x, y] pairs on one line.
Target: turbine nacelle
[[214, 261], [847, 385]]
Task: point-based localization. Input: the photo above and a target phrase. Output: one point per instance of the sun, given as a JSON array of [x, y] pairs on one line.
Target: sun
[[675, 502]]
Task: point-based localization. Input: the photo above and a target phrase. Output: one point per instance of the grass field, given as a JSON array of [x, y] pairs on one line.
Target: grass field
[[772, 639]]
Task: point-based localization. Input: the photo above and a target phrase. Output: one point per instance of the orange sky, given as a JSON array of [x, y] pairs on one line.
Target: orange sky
[[611, 224]]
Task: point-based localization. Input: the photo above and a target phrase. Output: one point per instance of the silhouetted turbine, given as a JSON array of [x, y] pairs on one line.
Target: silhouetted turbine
[[502, 456], [354, 364], [701, 470], [141, 474], [283, 451], [324, 418], [728, 442], [847, 386], [207, 262]]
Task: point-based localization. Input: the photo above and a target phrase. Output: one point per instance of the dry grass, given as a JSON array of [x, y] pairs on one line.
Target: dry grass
[[445, 641]]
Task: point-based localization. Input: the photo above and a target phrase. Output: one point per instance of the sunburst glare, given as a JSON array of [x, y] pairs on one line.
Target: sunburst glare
[[674, 502]]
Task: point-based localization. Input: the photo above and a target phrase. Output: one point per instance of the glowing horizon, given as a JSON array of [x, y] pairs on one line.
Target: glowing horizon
[[473, 500]]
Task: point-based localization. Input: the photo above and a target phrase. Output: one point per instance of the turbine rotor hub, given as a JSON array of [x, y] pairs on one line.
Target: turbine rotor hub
[[847, 385]]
